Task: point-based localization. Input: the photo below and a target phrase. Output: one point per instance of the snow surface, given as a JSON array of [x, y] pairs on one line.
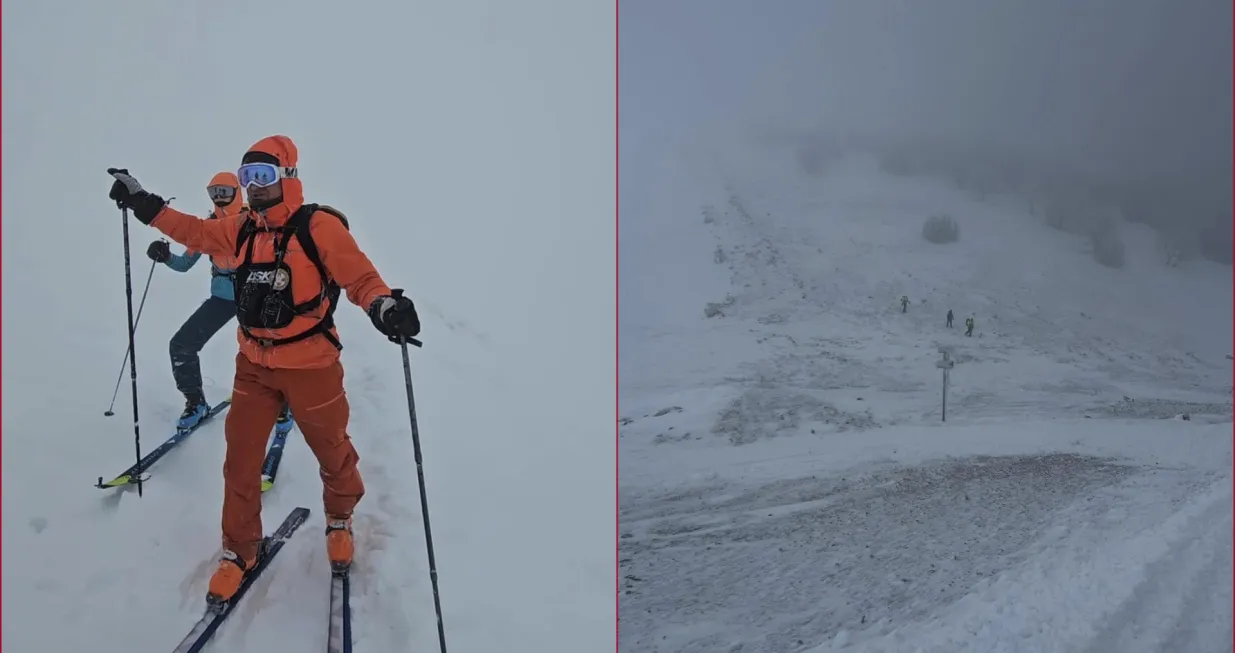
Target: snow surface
[[488, 198], [787, 484]]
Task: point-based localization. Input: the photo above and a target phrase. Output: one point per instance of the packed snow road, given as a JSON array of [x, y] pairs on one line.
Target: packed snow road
[[1087, 536]]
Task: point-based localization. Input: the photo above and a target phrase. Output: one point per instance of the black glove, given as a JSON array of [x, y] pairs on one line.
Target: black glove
[[395, 316], [159, 251], [129, 194]]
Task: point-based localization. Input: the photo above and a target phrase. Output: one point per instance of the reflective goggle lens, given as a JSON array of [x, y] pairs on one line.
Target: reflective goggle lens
[[217, 193], [258, 174]]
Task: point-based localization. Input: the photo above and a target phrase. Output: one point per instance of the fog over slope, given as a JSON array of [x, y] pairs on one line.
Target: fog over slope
[[791, 173], [1128, 98]]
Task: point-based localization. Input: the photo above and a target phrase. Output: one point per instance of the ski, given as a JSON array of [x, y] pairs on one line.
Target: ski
[[270, 467], [205, 627], [339, 637], [138, 471]]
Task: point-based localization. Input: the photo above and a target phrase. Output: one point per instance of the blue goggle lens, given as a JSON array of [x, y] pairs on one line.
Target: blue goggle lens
[[258, 174]]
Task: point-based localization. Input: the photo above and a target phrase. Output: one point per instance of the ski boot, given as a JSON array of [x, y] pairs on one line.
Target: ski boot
[[284, 424], [227, 579], [195, 410], [339, 546]]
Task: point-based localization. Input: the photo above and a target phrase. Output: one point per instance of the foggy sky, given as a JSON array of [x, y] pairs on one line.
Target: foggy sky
[[1131, 89]]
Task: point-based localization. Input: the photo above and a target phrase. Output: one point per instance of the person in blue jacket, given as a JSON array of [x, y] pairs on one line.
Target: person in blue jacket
[[212, 315]]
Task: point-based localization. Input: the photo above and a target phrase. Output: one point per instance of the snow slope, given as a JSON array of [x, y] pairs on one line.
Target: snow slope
[[786, 482], [468, 187]]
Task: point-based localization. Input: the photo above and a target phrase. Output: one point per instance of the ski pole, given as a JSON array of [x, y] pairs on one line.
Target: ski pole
[[120, 375], [420, 474], [128, 291]]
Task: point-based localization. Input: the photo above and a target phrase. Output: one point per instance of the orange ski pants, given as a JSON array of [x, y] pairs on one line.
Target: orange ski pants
[[321, 411]]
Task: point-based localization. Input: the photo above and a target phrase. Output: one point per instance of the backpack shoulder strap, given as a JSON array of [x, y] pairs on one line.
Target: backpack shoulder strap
[[299, 224], [247, 228], [336, 213]]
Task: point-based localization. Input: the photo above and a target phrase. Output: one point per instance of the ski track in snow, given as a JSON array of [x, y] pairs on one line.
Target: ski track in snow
[[168, 548], [787, 485], [119, 572]]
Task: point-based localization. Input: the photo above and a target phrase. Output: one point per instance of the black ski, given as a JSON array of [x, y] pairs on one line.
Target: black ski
[[138, 470], [339, 636], [205, 627]]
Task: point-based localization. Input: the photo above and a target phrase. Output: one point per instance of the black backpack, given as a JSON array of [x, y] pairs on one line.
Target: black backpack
[[297, 226]]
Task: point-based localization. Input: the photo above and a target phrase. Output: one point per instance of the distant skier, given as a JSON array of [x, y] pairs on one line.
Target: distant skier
[[216, 311], [904, 303], [949, 318], [969, 326]]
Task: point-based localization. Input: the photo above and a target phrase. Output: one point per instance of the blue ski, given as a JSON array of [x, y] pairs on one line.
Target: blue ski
[[270, 467], [205, 627], [138, 471]]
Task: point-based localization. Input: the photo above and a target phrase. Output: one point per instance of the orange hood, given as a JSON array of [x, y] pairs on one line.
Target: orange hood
[[227, 179], [284, 150]]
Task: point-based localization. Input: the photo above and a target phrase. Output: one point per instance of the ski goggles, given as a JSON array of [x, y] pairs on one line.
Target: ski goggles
[[263, 174], [221, 193]]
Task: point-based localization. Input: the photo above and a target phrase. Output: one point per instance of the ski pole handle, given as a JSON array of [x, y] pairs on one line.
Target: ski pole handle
[[397, 293]]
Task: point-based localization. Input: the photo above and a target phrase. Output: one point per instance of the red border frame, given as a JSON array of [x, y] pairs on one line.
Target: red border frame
[[617, 308], [1, 402]]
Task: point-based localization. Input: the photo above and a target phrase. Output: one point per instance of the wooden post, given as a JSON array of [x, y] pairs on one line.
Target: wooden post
[[946, 365]]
